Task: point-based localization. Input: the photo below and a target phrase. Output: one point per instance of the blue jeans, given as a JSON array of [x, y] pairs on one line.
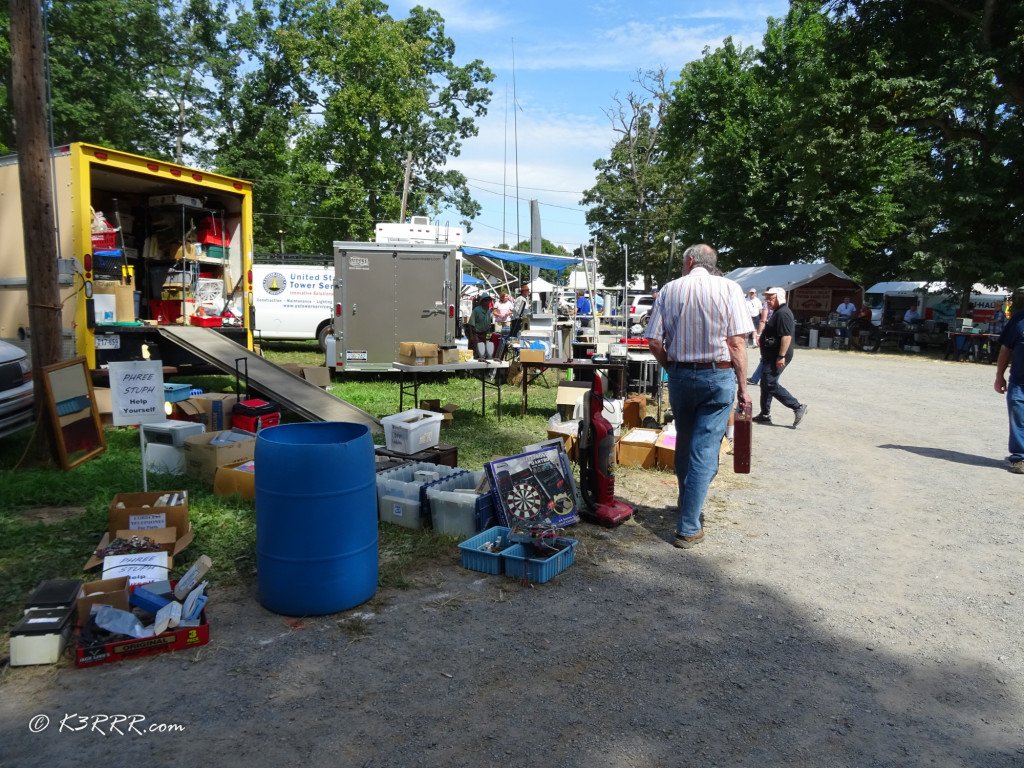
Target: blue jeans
[[701, 401], [755, 378], [1015, 406]]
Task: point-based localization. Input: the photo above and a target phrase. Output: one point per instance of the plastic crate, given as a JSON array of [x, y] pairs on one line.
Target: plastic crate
[[475, 559], [104, 241], [165, 311], [461, 514], [216, 252], [175, 393], [109, 262], [205, 322], [412, 431], [518, 563]]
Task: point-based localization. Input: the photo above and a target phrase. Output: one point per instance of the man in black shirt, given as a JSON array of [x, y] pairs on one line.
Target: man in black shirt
[[776, 354]]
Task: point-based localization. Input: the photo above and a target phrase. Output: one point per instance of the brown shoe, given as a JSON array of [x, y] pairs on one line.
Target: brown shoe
[[1017, 467], [686, 542]]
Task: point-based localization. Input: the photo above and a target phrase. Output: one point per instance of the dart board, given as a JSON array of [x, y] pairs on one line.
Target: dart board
[[524, 500]]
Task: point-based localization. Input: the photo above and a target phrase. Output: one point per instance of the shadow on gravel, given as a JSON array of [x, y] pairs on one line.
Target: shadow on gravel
[[745, 677], [946, 455]]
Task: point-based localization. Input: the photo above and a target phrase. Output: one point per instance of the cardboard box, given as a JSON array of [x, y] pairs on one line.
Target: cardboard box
[[212, 410], [112, 592], [465, 355], [638, 448], [202, 459], [568, 431], [318, 375], [447, 355], [665, 450], [531, 355], [173, 640], [237, 478], [417, 353], [137, 515], [435, 406], [634, 411], [123, 300], [105, 406]]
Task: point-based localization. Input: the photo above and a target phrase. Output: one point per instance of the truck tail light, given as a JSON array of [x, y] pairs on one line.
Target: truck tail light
[[337, 310], [451, 311], [87, 262]]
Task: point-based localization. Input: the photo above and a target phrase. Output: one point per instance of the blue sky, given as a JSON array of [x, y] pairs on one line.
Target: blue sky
[[571, 59]]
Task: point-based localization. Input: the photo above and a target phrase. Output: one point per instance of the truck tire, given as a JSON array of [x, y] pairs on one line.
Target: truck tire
[[321, 336]]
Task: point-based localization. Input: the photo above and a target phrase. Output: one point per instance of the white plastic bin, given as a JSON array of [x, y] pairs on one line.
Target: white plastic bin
[[412, 431], [400, 496]]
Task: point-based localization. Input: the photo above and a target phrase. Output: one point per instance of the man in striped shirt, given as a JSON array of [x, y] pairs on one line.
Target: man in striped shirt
[[697, 331]]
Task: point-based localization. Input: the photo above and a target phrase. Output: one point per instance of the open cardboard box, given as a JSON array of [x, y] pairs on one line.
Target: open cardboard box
[[118, 650], [202, 460], [665, 449], [136, 519], [417, 353], [638, 448], [112, 592], [213, 410], [239, 477]]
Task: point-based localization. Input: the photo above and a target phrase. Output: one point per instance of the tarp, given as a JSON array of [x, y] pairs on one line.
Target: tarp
[[541, 260], [468, 279], [488, 267]]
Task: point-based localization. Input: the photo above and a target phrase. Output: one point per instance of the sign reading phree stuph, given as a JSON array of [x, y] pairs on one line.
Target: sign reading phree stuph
[[137, 392]]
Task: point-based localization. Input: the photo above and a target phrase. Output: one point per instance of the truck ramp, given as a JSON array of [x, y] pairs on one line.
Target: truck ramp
[[282, 386]]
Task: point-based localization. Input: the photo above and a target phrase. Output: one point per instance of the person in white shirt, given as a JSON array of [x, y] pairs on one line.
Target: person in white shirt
[[754, 306], [846, 310]]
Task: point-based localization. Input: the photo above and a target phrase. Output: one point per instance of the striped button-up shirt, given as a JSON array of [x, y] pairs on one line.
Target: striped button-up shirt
[[694, 315]]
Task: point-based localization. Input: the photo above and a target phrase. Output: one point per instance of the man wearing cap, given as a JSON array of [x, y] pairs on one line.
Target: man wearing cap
[[697, 331], [520, 309], [754, 306], [776, 354]]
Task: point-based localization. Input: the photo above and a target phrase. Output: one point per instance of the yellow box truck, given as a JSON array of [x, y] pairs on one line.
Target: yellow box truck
[[147, 250]]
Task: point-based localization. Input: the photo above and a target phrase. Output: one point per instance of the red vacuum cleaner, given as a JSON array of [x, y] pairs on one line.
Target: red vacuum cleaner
[[597, 481]]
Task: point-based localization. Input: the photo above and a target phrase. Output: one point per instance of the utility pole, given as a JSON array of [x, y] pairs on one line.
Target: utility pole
[[37, 214], [405, 187]]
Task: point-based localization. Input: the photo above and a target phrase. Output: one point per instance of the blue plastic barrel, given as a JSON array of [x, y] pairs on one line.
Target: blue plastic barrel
[[316, 517]]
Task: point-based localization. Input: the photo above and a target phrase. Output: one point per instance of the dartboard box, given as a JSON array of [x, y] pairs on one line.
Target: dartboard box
[[532, 488]]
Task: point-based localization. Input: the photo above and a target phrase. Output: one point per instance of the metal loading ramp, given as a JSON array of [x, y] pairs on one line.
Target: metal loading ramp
[[294, 392]]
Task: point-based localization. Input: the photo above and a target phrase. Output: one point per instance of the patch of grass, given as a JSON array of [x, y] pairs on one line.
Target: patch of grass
[[225, 528]]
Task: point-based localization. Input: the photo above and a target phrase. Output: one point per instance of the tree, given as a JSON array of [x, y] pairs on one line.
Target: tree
[[375, 89], [784, 168], [949, 73], [628, 201]]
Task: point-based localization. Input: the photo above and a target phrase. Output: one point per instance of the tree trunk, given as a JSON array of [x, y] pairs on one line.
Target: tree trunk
[[37, 214]]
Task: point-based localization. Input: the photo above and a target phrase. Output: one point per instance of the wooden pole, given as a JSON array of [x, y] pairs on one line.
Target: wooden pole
[[405, 187], [37, 214]]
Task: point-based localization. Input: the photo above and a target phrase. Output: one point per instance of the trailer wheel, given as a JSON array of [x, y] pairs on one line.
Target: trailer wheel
[[321, 336]]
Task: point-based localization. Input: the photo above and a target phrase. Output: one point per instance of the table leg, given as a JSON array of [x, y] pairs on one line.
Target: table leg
[[526, 379]]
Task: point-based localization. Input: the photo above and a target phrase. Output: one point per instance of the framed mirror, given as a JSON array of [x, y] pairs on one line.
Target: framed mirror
[[78, 431]]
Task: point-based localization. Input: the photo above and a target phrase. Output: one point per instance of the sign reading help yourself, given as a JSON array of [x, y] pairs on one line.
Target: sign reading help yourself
[[137, 392]]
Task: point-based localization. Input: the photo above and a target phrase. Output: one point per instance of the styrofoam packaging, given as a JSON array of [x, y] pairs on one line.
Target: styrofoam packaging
[[412, 431]]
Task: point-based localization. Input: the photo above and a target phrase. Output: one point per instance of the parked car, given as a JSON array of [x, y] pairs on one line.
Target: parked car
[[640, 309], [16, 393]]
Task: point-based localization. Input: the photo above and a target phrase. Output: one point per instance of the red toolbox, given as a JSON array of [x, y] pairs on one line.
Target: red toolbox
[[253, 415]]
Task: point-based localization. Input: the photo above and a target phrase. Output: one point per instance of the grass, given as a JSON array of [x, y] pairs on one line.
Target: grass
[[32, 550]]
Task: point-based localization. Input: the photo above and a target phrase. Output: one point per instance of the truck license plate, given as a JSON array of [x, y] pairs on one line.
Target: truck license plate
[[108, 341]]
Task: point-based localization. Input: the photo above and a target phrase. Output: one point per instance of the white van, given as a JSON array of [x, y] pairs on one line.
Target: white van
[[292, 300]]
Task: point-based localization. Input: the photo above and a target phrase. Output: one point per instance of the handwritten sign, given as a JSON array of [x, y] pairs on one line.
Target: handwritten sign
[[140, 568], [137, 392]]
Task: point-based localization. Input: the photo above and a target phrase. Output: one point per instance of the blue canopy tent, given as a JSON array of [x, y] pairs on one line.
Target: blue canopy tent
[[540, 260], [468, 279]]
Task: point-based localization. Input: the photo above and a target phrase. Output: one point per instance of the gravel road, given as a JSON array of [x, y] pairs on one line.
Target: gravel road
[[856, 602]]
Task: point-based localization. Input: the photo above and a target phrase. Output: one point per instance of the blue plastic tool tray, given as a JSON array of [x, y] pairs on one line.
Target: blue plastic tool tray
[[174, 393], [475, 559], [518, 563]]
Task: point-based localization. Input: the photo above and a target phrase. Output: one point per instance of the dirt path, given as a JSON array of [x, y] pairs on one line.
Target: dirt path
[[857, 603]]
